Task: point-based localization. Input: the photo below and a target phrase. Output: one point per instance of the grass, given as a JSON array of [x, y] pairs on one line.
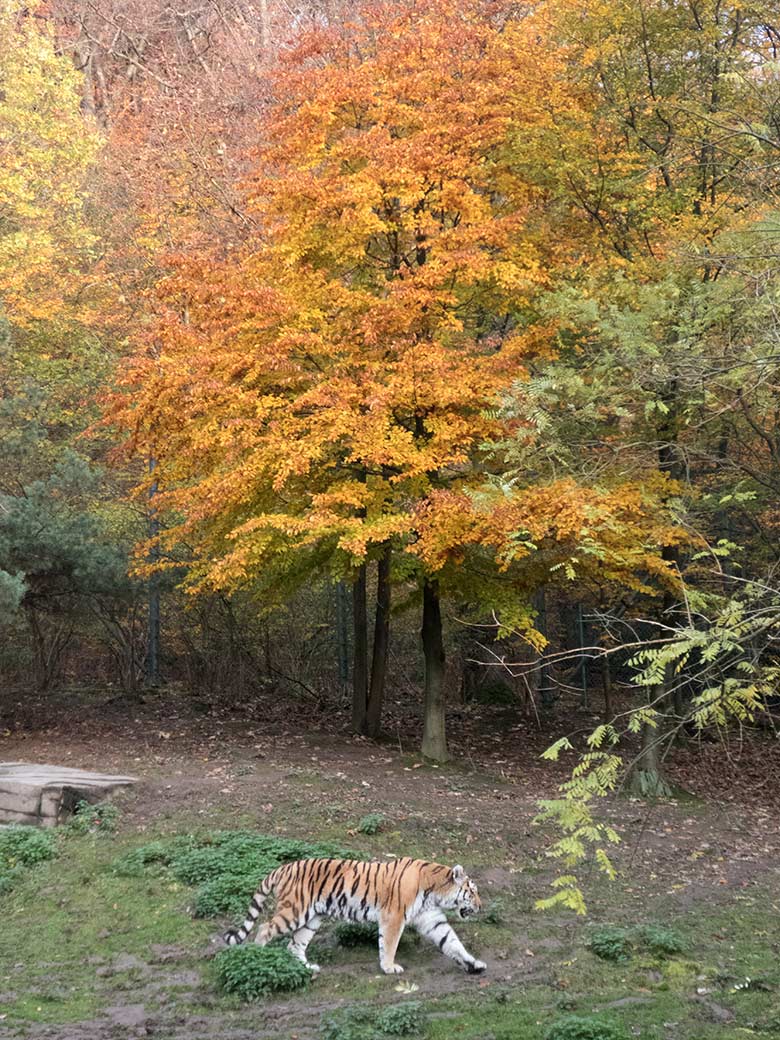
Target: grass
[[79, 935], [75, 908]]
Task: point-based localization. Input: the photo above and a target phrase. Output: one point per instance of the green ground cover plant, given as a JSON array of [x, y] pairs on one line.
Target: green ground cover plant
[[577, 1027], [22, 848], [254, 972], [225, 867], [100, 819], [612, 943], [371, 823], [368, 1023]]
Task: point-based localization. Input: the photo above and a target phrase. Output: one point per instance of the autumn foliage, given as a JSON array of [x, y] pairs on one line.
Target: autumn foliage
[[45, 152], [465, 307], [332, 386]]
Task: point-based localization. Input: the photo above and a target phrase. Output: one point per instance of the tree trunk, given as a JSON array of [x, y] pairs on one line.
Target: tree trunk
[[153, 622], [342, 634], [606, 682], [434, 742], [545, 687], [381, 643], [49, 649], [581, 635], [647, 778], [360, 652], [646, 774]]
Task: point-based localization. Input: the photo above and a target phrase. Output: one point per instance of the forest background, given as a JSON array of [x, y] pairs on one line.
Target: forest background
[[390, 359]]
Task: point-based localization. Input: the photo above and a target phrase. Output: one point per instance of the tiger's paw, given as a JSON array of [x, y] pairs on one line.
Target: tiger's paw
[[313, 967], [392, 969], [475, 967]]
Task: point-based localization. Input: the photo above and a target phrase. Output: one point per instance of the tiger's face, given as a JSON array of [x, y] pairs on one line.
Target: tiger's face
[[463, 895]]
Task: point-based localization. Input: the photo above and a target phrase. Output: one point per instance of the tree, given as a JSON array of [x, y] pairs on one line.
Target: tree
[[324, 394], [63, 549], [45, 151], [662, 176], [665, 178]]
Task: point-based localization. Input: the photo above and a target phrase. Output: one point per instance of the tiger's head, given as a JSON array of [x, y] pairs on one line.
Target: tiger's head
[[461, 894]]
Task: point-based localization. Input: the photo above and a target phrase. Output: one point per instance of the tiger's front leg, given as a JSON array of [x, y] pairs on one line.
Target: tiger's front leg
[[433, 925], [390, 929]]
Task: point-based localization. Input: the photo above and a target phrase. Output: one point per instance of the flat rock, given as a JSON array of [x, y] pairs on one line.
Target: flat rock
[[44, 795]]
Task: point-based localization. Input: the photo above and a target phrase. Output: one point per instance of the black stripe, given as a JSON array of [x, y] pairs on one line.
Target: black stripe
[[403, 871], [321, 889], [338, 887]]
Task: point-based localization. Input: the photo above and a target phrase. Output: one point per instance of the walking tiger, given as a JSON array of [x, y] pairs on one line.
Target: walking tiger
[[394, 894]]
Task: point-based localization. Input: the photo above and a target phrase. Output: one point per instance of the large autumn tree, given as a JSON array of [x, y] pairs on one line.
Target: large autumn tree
[[325, 394]]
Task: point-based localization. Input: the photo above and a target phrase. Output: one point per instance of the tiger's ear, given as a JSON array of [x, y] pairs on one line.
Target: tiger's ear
[[458, 873]]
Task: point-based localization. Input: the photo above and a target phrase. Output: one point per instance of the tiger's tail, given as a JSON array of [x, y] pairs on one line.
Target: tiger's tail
[[235, 936]]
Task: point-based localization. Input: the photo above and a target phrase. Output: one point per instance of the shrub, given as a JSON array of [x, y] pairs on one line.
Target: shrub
[[371, 824], [659, 940], [210, 864], [576, 1027], [25, 847], [227, 865], [401, 1019], [8, 878], [93, 819], [353, 933], [22, 847], [153, 857], [366, 1023], [610, 944], [348, 933], [352, 1023], [617, 944], [228, 894], [241, 852], [244, 844], [252, 972]]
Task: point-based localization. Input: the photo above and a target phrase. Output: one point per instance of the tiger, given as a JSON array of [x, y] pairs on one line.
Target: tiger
[[393, 894]]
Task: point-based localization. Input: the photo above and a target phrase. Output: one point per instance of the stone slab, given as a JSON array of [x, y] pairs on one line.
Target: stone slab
[[46, 795]]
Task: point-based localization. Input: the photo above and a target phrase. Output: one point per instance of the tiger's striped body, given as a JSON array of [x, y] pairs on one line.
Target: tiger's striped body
[[394, 894]]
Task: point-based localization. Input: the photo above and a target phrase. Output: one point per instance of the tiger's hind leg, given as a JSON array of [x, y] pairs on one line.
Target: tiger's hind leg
[[283, 921], [434, 926], [390, 929], [300, 941]]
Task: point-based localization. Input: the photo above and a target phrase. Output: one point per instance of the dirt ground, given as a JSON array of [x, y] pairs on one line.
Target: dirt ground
[[712, 847]]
